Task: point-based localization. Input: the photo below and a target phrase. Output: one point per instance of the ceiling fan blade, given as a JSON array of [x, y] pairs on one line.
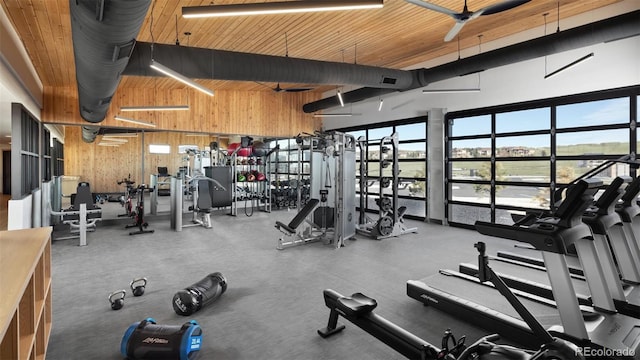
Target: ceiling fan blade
[[301, 89], [455, 30], [502, 6], [433, 7]]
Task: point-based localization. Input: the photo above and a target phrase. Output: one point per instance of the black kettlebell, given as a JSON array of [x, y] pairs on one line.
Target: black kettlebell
[[116, 299], [139, 283]]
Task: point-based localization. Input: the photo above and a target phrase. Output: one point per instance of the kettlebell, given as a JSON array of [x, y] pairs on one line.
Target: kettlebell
[[116, 299], [138, 289]]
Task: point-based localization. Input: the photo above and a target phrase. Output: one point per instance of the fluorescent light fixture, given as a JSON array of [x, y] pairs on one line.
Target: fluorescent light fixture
[[109, 144], [380, 105], [114, 140], [176, 75], [569, 65], [332, 115], [285, 7], [134, 121], [121, 135], [450, 91], [340, 98], [155, 108]]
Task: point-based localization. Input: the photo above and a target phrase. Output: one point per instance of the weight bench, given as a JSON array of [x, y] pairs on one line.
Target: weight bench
[[291, 229], [82, 215]]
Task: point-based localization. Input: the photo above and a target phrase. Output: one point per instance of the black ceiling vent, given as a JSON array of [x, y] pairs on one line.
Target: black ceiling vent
[[388, 80]]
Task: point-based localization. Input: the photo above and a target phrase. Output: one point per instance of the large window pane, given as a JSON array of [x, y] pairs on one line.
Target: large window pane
[[523, 196], [604, 142], [476, 193], [523, 171], [377, 134], [568, 170], [358, 133], [601, 112], [412, 169], [476, 125], [524, 120], [476, 148], [522, 146], [412, 131], [414, 207], [465, 214], [470, 170], [412, 151], [374, 169]]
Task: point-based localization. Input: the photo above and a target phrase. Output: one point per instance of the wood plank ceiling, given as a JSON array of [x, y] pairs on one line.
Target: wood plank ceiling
[[397, 36]]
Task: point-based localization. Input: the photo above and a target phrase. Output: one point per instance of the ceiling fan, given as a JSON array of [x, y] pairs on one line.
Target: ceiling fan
[[279, 89], [466, 15]]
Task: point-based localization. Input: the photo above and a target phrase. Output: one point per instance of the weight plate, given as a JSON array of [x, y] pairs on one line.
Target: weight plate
[[385, 226], [386, 204]]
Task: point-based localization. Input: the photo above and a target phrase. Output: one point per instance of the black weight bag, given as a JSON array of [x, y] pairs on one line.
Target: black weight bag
[[147, 340], [195, 297]]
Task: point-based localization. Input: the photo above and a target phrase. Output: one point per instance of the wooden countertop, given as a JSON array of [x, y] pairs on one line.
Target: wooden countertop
[[20, 251]]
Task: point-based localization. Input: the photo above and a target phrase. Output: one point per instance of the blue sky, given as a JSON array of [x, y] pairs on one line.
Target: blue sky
[[612, 111]]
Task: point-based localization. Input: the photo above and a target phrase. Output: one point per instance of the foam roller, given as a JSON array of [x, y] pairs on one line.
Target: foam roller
[[195, 297]]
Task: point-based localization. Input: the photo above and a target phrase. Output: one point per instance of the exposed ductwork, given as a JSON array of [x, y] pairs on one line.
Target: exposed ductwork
[[200, 63], [611, 29], [103, 33]]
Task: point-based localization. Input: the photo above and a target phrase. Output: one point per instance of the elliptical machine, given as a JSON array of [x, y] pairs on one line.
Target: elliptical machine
[[138, 214]]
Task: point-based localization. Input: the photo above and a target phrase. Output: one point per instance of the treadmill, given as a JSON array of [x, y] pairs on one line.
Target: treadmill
[[608, 233], [616, 336]]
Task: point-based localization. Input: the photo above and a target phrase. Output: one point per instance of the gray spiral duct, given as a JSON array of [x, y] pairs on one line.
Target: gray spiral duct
[[611, 29], [103, 33], [201, 63]]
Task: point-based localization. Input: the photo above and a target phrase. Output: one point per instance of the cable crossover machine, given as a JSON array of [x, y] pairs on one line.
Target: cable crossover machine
[[329, 213]]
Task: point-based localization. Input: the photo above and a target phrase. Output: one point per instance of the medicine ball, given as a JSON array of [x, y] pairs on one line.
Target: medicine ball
[[260, 148], [242, 152]]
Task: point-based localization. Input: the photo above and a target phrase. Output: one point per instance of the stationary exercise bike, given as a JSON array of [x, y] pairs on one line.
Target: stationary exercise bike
[[126, 199], [138, 214]]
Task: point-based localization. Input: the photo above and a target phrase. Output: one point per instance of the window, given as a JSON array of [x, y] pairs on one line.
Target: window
[[609, 111], [412, 131], [603, 142], [412, 165], [523, 120], [523, 146], [159, 149], [476, 125], [536, 145]]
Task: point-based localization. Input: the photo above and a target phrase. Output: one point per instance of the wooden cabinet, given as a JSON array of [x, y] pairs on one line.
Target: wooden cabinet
[[25, 304]]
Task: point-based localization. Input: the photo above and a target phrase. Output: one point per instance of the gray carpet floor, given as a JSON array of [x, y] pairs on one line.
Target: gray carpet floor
[[273, 304]]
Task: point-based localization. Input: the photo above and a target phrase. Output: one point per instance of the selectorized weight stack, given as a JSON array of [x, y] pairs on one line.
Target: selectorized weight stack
[[329, 212], [390, 221]]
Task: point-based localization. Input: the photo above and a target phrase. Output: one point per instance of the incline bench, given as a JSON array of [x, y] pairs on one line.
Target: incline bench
[[291, 229]]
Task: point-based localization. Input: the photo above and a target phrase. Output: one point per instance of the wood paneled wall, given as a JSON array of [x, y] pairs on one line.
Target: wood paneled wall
[[260, 113], [103, 166], [255, 113]]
